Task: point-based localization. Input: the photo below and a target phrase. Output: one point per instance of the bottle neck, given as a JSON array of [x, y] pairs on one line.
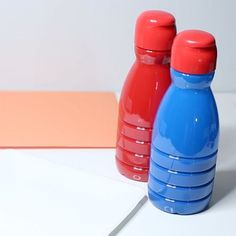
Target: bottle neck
[[189, 81], [151, 57]]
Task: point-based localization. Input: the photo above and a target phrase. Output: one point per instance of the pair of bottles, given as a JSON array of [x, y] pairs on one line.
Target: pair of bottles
[[174, 133]]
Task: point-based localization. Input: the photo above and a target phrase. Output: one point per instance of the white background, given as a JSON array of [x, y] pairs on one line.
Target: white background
[[88, 44]]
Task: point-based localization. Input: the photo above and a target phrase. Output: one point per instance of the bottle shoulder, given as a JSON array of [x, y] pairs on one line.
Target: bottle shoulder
[[191, 81], [141, 94], [187, 123]]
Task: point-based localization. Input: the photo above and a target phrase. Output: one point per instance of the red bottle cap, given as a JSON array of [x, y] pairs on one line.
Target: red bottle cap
[[155, 30], [194, 52]]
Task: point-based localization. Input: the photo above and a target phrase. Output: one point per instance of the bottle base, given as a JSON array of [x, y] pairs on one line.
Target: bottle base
[[178, 207], [132, 172]]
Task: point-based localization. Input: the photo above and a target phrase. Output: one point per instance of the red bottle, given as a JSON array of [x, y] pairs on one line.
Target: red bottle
[[142, 92]]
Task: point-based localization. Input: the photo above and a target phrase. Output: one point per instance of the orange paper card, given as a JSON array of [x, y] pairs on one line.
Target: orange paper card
[[57, 119]]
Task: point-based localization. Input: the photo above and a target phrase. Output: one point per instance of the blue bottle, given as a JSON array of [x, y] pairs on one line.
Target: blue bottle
[[186, 129]]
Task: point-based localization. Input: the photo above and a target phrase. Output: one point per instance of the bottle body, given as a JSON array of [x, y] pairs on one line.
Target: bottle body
[[141, 95], [184, 145]]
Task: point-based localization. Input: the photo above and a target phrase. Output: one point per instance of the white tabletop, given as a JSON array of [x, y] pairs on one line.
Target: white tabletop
[[217, 220]]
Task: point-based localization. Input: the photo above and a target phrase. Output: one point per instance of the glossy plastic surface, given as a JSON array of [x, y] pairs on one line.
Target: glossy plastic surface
[[183, 164], [179, 193], [187, 123], [155, 30], [132, 159], [142, 92], [182, 179], [144, 88], [134, 132], [194, 52], [132, 172], [184, 145], [133, 145], [178, 207]]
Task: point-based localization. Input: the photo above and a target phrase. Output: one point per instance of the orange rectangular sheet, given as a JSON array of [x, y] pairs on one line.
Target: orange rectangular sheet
[[57, 120]]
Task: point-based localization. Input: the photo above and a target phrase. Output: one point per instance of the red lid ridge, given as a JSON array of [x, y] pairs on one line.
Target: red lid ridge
[[194, 52], [155, 30]]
